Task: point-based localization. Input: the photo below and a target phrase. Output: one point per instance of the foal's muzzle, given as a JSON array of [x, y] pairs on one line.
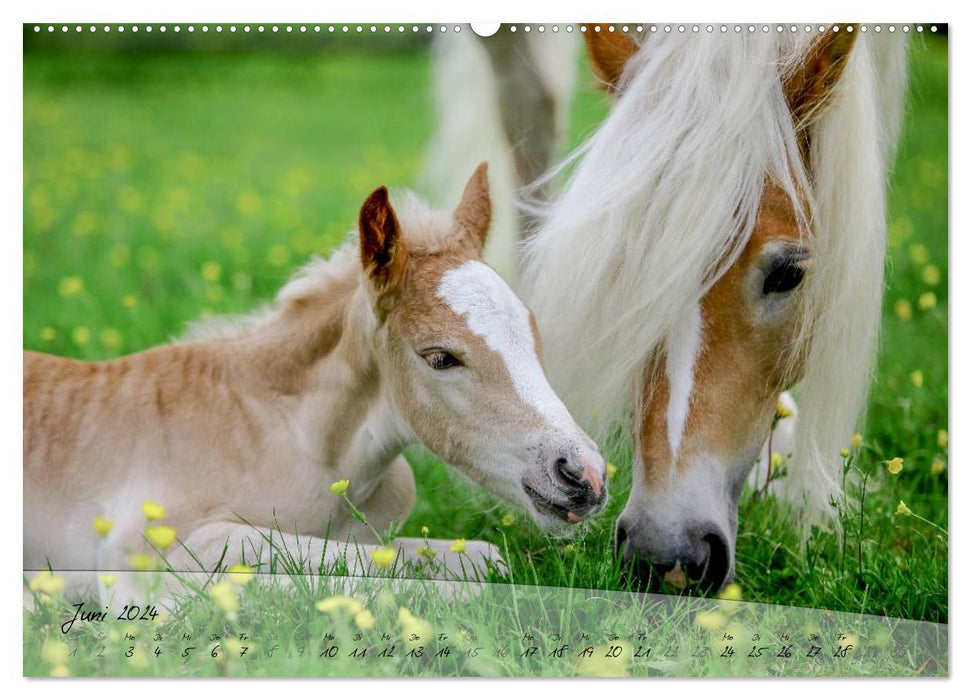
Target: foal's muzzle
[[700, 561], [571, 485]]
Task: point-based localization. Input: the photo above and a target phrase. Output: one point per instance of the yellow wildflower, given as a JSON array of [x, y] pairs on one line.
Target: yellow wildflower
[[141, 561], [415, 630], [782, 409], [383, 557], [895, 465], [937, 465], [60, 671], [426, 552], [611, 470], [339, 488], [845, 452], [919, 254], [71, 286], [129, 301], [111, 338], [903, 310], [225, 597], [856, 440], [211, 271], [47, 582], [709, 620], [47, 333], [424, 531], [917, 378], [927, 301], [364, 620], [81, 335], [278, 255], [120, 255], [240, 574], [570, 548], [731, 592], [775, 461], [338, 603], [103, 526], [942, 439], [153, 511], [931, 275], [508, 520], [162, 536], [55, 652], [108, 580], [902, 509], [458, 546]]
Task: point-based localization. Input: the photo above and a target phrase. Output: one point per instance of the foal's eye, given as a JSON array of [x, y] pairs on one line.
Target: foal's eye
[[441, 359], [783, 277]]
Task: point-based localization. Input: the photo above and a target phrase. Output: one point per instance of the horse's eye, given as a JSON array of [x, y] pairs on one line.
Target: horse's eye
[[783, 277], [441, 359]]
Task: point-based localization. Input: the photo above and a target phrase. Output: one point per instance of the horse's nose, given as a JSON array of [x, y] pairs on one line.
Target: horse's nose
[[581, 478], [699, 560]]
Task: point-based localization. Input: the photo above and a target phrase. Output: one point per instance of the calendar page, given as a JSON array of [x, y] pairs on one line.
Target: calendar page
[[590, 349]]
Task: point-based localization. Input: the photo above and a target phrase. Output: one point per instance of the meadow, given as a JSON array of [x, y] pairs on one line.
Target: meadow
[[165, 186]]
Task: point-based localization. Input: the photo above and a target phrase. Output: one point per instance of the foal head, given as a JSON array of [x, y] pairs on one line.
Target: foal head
[[709, 389], [463, 358]]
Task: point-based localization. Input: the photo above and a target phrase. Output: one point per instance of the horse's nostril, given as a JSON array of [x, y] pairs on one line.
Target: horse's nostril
[[570, 473], [719, 562], [619, 540]]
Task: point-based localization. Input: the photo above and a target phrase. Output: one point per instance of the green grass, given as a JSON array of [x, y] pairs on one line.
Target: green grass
[[141, 169]]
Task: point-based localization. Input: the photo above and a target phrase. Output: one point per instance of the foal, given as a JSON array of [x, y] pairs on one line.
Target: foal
[[407, 337]]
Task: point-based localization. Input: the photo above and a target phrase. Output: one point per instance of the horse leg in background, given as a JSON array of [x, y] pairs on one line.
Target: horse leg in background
[[528, 108]]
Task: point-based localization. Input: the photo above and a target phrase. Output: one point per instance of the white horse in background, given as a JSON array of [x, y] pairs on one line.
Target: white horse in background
[[234, 437], [720, 239]]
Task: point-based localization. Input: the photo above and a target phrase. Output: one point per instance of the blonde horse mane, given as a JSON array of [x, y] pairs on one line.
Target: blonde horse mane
[[663, 197]]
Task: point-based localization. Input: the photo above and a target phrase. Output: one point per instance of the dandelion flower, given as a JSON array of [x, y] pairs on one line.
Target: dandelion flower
[[942, 439], [103, 526], [339, 488], [937, 466], [895, 465], [55, 652], [108, 580], [383, 557], [927, 301], [129, 301], [81, 335], [162, 536], [508, 520], [47, 333], [364, 620], [709, 620], [902, 509], [731, 592], [903, 309], [71, 286], [856, 440], [240, 574], [458, 546], [211, 271], [225, 597], [152, 510], [931, 275], [917, 378], [424, 531], [141, 561], [47, 582], [611, 471]]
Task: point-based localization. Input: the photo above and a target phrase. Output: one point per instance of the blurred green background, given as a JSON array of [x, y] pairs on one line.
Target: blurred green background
[[169, 178]]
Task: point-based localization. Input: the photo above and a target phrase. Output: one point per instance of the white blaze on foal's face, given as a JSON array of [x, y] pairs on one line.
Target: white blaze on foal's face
[[463, 362]]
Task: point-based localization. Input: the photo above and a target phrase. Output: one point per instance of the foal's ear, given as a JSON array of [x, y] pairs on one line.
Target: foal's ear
[[382, 247], [609, 53], [808, 87], [474, 211]]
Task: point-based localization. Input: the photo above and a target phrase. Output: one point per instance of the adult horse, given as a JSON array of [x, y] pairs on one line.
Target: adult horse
[[720, 239]]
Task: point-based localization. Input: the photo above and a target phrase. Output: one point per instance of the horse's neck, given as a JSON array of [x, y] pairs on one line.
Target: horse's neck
[[323, 353]]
